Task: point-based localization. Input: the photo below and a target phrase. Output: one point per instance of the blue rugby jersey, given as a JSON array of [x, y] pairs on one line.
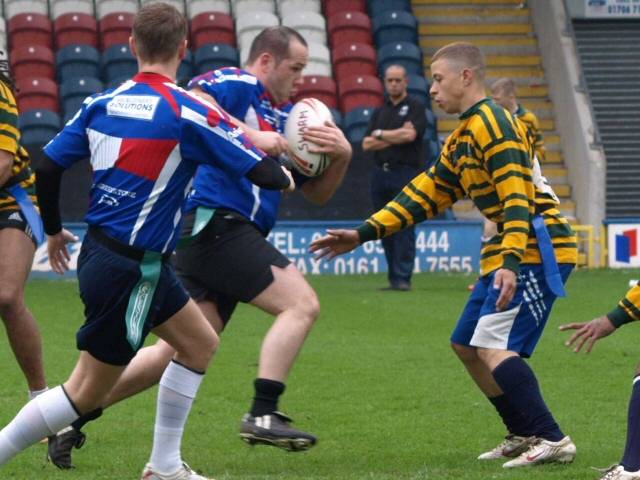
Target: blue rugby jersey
[[145, 140], [242, 95]]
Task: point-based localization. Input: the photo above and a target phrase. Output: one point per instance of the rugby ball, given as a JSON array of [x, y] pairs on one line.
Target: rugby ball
[[304, 114]]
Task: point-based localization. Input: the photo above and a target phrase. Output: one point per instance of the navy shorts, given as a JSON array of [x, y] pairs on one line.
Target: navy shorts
[[107, 281], [519, 326], [15, 219]]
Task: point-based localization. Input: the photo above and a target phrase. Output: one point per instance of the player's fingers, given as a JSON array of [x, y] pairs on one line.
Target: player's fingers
[[591, 343], [571, 326], [582, 341]]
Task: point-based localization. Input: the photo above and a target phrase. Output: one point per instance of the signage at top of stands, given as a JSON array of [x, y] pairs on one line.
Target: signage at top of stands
[[612, 8]]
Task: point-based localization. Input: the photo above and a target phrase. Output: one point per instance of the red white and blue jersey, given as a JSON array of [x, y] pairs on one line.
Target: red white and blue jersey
[[146, 139], [242, 95]]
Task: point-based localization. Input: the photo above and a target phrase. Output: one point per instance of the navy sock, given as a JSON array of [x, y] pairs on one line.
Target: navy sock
[[86, 418], [267, 394], [515, 423], [521, 389], [631, 459]]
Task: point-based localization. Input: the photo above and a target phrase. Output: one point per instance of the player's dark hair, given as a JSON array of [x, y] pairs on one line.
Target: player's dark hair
[[464, 55], [275, 41], [159, 30]]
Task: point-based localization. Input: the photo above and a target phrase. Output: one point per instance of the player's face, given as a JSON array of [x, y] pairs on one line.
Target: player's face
[[286, 76], [447, 86], [395, 82], [499, 97]]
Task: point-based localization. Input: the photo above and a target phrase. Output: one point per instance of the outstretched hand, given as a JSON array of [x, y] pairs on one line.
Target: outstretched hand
[[335, 243], [59, 257], [588, 332]]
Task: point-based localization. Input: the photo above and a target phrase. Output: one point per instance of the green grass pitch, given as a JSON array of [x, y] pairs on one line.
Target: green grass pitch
[[376, 381]]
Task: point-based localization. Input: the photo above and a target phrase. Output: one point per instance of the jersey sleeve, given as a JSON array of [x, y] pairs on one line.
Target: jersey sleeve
[[209, 136], [231, 89], [9, 133], [72, 143], [424, 197], [628, 308]]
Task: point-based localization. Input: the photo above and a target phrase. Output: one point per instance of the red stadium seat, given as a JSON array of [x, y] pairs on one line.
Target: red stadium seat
[[322, 88], [331, 7], [27, 29], [349, 27], [76, 29], [212, 27], [360, 91], [34, 61], [115, 29], [37, 93], [354, 58]]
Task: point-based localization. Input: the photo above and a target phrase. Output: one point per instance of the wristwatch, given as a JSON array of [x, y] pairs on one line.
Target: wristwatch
[[377, 134]]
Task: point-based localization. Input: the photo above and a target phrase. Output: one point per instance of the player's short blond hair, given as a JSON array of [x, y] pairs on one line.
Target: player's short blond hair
[[464, 55], [504, 85]]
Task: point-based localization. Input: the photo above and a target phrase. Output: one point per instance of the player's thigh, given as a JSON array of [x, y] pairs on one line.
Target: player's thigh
[[468, 321], [289, 289], [16, 257]]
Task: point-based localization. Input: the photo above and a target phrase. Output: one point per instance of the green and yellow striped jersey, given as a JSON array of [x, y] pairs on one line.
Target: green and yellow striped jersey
[[533, 127], [488, 158], [10, 142], [628, 308]]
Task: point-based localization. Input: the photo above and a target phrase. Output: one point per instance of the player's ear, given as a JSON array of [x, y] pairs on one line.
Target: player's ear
[[182, 50], [132, 46]]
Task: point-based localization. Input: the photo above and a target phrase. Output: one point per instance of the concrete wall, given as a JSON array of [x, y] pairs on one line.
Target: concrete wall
[[574, 122]]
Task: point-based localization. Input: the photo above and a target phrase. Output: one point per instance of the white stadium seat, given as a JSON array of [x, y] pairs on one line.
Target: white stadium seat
[[286, 7], [15, 7], [60, 7], [105, 7], [310, 25], [319, 60], [242, 7], [196, 7], [249, 25], [179, 4], [3, 37]]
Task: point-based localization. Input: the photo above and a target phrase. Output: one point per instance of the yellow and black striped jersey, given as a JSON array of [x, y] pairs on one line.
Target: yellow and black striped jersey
[[10, 142], [488, 158], [628, 308], [533, 129]]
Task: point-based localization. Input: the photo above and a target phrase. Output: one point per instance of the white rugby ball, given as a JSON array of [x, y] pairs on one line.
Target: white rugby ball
[[306, 113]]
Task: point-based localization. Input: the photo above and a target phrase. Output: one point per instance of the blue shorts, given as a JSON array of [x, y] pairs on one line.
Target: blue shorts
[[518, 327], [107, 280]]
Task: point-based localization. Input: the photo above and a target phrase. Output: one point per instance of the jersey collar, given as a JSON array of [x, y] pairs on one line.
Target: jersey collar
[[150, 77], [474, 108]]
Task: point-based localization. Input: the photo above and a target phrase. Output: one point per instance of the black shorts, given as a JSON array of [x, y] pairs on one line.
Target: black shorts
[[228, 262], [15, 219], [108, 281]]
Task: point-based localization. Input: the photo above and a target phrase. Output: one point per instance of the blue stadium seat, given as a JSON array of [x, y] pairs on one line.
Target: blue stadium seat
[[431, 132], [215, 55], [337, 118], [395, 26], [116, 82], [118, 62], [419, 88], [185, 71], [38, 126], [406, 54], [377, 6], [74, 91], [431, 150], [77, 61], [356, 122]]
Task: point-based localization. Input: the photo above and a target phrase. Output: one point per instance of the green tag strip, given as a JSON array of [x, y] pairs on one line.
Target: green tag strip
[[141, 297], [203, 216]]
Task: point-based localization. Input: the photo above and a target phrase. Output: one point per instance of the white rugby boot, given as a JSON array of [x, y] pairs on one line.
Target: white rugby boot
[[545, 451], [183, 473], [617, 472], [510, 447]]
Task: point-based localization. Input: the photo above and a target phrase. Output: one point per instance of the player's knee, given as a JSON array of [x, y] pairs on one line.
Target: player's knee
[[10, 298], [309, 305], [465, 353]]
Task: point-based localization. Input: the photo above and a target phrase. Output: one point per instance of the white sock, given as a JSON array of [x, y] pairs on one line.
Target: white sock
[[178, 388], [34, 393], [41, 417]]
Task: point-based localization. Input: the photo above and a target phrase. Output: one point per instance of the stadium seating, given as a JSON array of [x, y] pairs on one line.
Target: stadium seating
[[77, 61], [212, 27], [431, 132], [32, 61], [211, 57], [356, 123], [331, 7], [241, 7], [310, 25], [360, 91], [419, 88], [34, 93], [116, 82], [117, 63], [322, 88], [74, 91], [115, 29], [406, 54], [319, 60], [107, 7], [285, 7], [62, 7], [179, 4], [250, 24], [3, 34], [16, 7], [337, 117], [30, 29], [196, 7], [377, 6], [349, 27], [431, 150], [186, 69], [395, 26], [37, 127], [76, 29], [354, 58]]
